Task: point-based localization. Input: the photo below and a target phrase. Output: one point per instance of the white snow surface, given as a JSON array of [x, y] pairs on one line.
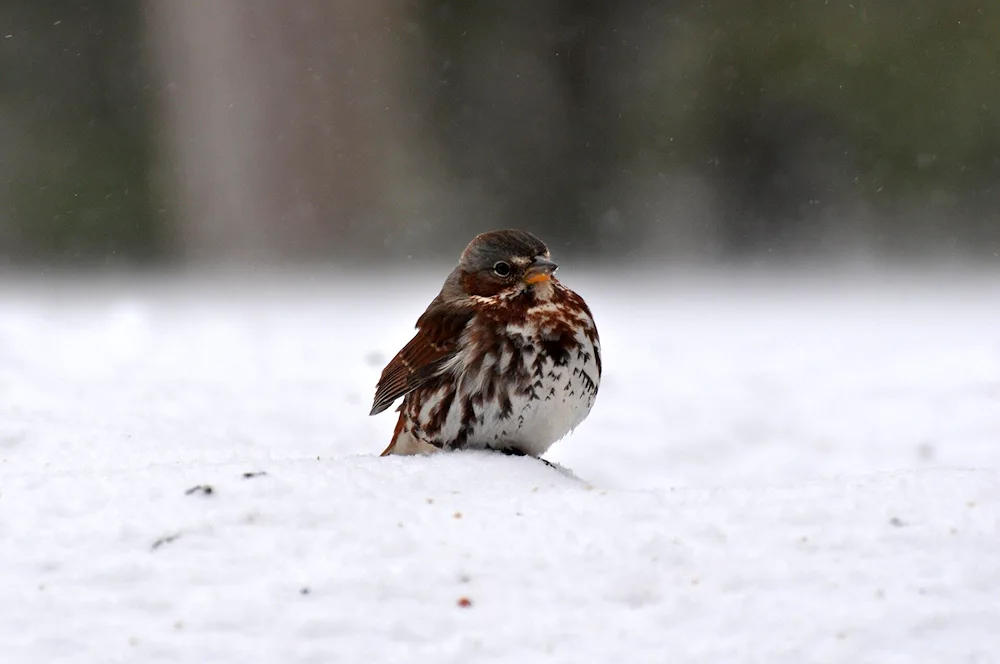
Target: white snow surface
[[778, 468]]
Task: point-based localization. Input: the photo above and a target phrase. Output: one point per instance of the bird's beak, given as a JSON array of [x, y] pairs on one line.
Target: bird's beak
[[540, 270]]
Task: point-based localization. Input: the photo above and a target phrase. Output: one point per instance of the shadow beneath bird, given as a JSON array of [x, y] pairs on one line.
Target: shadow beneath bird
[[562, 470]]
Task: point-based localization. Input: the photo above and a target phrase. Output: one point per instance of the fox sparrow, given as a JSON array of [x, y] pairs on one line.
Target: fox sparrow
[[505, 357]]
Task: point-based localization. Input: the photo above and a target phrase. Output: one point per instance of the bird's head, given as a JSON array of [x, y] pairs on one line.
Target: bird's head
[[502, 263]]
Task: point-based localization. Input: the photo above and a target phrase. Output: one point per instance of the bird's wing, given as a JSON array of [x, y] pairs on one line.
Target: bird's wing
[[437, 340]]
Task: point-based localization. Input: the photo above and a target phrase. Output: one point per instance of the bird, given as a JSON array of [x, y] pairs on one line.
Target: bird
[[505, 358]]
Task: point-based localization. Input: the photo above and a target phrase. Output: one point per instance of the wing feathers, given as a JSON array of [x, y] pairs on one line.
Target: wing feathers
[[438, 334]]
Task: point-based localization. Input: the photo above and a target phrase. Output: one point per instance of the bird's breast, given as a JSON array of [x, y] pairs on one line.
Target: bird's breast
[[535, 381]]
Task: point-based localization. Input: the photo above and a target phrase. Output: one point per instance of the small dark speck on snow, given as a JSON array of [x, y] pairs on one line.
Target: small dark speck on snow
[[167, 539]]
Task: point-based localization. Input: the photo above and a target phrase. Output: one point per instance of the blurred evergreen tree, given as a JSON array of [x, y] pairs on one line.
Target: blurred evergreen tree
[[902, 82], [904, 98], [75, 87]]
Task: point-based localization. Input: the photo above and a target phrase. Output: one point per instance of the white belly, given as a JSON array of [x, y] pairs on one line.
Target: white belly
[[561, 395]]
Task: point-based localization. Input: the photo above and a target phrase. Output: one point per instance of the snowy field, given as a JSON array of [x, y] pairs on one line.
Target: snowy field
[[771, 473]]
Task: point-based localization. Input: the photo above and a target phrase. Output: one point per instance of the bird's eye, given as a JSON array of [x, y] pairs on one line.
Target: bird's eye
[[502, 269]]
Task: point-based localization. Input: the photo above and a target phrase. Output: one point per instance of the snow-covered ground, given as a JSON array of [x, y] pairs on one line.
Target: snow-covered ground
[[776, 470]]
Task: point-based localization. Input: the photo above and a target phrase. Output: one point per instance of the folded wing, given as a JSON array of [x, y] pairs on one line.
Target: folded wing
[[439, 333]]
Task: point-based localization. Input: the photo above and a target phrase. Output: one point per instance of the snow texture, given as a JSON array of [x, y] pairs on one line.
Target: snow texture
[[771, 473]]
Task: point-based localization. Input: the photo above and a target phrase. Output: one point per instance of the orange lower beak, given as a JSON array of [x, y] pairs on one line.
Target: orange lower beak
[[537, 278], [541, 269]]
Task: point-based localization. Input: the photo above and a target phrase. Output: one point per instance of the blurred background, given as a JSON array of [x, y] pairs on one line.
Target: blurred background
[[254, 131]]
